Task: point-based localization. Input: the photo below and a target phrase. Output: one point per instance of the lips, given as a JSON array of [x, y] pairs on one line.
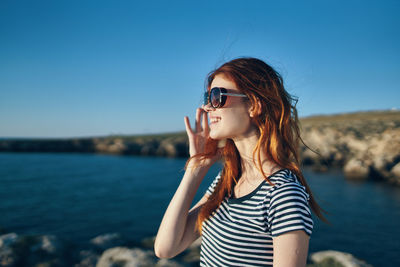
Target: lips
[[214, 119]]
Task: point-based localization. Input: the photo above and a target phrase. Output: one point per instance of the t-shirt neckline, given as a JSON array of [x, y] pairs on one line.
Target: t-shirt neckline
[[232, 199]]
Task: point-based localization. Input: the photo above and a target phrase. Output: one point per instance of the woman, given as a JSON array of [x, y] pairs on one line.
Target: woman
[[256, 211]]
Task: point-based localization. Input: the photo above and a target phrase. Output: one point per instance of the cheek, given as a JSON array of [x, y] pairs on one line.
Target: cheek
[[242, 121], [236, 123]]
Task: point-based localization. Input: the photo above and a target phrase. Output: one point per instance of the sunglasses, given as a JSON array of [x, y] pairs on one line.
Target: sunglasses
[[217, 97]]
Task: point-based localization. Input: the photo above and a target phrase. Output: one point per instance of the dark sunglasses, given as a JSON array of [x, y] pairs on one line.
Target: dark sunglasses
[[217, 97]]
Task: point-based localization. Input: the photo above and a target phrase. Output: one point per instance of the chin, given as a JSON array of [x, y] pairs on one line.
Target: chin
[[215, 135]]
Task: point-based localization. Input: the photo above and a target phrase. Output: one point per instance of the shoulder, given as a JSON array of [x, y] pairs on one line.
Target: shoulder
[[286, 183], [288, 206], [282, 176]]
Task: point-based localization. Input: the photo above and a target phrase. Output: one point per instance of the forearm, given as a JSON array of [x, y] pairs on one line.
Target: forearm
[[171, 232]]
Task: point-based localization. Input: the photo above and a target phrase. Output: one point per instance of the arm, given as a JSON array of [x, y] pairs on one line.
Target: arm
[[291, 249], [291, 224], [178, 226]]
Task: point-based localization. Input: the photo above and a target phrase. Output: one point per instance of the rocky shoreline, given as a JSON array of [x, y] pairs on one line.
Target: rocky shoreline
[[366, 145], [110, 250]]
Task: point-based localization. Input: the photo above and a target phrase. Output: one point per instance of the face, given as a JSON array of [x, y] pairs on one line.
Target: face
[[233, 119]]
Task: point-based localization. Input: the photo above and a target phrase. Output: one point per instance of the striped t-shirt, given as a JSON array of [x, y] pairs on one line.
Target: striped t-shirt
[[240, 231]]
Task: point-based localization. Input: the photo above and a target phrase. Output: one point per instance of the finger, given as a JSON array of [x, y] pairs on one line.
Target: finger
[[189, 130], [198, 119], [205, 122]]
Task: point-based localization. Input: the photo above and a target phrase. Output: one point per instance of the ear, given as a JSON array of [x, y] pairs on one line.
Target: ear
[[255, 111]]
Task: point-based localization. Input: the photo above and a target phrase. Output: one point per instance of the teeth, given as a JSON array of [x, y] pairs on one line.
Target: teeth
[[213, 120]]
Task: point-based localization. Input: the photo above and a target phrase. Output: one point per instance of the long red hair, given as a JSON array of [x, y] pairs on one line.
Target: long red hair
[[277, 124]]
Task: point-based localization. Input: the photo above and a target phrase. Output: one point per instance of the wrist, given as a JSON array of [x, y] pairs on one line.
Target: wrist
[[198, 165]]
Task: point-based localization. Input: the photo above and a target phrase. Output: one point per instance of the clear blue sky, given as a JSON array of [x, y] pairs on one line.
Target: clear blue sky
[[94, 68]]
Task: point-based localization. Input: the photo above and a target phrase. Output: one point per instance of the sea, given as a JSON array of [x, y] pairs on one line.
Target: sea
[[77, 197]]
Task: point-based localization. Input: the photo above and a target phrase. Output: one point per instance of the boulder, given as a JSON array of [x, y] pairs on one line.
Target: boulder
[[7, 255], [168, 263], [396, 171], [88, 258], [107, 241], [48, 244], [342, 258], [122, 256], [8, 239]]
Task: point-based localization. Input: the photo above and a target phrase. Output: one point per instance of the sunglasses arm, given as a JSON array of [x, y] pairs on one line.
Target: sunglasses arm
[[230, 94]]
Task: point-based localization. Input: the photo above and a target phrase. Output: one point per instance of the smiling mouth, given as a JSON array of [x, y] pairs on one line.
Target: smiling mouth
[[214, 120]]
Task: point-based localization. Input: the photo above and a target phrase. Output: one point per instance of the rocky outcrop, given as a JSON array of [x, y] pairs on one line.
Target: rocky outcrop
[[175, 145], [84, 145], [365, 145]]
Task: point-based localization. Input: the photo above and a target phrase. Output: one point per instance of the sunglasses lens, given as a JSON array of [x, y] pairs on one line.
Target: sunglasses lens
[[215, 97], [205, 99]]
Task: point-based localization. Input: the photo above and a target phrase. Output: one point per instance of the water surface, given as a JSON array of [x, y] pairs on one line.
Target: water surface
[[80, 196]]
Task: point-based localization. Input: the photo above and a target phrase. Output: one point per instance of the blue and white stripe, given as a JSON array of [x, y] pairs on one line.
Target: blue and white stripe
[[240, 232]]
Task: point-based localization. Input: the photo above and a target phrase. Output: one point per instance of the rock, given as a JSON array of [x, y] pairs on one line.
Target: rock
[[192, 253], [48, 244], [342, 258], [8, 239], [396, 171], [369, 143], [132, 148], [168, 263], [166, 148], [107, 241], [148, 242], [356, 169], [88, 259], [43, 250], [117, 147], [149, 149], [122, 256], [7, 255], [319, 142]]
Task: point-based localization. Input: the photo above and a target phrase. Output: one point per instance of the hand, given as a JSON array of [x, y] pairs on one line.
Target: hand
[[198, 137]]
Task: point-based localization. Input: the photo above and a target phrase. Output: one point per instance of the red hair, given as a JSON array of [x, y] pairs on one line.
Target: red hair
[[277, 124]]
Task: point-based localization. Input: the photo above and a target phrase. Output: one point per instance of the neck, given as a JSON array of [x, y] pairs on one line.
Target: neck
[[250, 168]]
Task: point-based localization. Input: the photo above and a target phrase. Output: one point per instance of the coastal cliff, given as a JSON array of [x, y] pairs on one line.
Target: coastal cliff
[[365, 144]]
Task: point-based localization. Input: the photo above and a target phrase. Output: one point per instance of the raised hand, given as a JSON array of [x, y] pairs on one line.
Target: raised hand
[[198, 137]]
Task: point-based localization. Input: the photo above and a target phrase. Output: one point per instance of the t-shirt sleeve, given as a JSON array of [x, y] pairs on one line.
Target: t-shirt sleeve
[[214, 183], [289, 210]]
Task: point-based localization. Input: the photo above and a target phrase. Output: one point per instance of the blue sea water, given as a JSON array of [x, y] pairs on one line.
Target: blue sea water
[[80, 196]]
